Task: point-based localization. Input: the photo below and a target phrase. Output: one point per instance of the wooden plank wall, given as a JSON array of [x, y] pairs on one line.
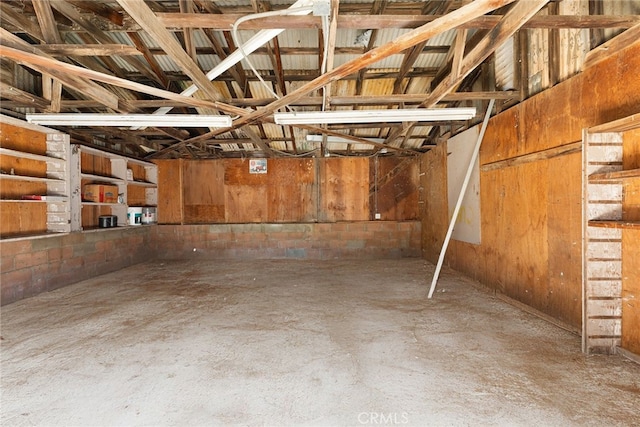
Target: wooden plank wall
[[531, 209], [393, 190], [96, 165], [631, 247], [21, 218], [292, 190], [170, 194]]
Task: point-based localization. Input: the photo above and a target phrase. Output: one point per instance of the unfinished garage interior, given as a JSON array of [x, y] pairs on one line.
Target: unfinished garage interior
[[320, 212]]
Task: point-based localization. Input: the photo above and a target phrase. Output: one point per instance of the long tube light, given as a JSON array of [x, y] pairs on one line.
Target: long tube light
[[96, 119], [261, 38], [374, 116]]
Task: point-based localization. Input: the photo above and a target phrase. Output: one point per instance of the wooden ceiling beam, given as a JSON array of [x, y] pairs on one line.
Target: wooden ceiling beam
[[307, 101], [86, 87], [51, 65], [186, 7], [378, 21], [99, 9], [8, 15], [141, 13], [96, 33], [151, 60], [405, 41], [520, 13], [51, 89], [89, 49], [22, 99]]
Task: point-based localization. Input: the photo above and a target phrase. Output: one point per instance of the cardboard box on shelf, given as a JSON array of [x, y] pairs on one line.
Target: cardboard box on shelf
[[100, 193]]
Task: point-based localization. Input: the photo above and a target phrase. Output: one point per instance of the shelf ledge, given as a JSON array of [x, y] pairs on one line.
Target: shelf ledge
[[31, 156], [615, 224], [614, 176], [29, 178]]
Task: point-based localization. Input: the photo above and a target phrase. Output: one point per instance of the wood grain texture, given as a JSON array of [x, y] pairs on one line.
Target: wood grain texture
[[531, 212], [292, 191], [169, 191], [19, 219], [22, 218], [344, 189], [395, 191], [631, 291], [433, 202]]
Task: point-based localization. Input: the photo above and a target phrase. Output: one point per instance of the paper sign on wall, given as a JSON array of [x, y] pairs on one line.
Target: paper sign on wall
[[459, 153], [258, 166]]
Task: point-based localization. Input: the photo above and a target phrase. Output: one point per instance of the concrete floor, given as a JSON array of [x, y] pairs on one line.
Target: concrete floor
[[298, 343]]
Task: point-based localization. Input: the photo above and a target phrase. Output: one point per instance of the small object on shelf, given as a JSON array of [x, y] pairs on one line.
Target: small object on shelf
[[44, 198], [100, 193], [134, 216], [104, 221], [130, 174], [107, 221], [149, 215]]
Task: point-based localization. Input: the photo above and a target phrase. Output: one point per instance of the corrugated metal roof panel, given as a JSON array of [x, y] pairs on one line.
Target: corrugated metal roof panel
[[505, 66]]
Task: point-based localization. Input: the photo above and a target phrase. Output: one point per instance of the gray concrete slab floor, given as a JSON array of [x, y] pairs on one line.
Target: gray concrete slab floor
[[279, 342]]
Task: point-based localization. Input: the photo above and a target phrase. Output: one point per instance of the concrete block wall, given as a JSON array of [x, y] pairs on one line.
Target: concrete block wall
[[33, 265], [347, 240]]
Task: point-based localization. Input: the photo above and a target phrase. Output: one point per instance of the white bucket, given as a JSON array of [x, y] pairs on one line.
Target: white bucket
[[134, 216], [148, 215]]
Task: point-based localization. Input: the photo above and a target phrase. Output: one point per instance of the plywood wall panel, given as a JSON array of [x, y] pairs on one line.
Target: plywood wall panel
[[170, 191], [292, 192], [203, 187], [395, 194], [564, 235], [246, 203], [10, 189], [22, 218], [631, 291], [345, 189], [236, 172], [136, 195], [433, 201], [22, 139], [531, 214]]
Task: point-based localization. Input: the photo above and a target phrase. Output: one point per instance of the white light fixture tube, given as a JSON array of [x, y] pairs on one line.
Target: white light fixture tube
[[373, 116], [261, 38], [340, 140], [96, 119]]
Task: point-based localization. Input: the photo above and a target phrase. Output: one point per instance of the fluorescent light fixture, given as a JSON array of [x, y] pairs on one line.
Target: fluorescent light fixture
[[91, 119], [374, 116], [337, 139]]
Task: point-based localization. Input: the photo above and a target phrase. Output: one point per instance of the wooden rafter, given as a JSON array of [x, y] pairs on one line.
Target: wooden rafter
[[520, 13], [51, 88], [97, 34], [148, 20], [405, 99], [54, 66], [84, 86], [447, 22], [380, 21]]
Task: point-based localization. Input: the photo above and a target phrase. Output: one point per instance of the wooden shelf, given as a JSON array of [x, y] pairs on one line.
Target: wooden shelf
[[142, 183], [101, 178], [23, 201], [31, 156], [607, 177], [101, 204], [30, 178], [615, 224]]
